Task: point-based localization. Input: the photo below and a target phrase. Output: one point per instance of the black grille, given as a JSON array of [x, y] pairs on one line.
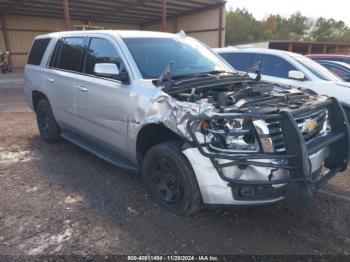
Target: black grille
[[276, 133]]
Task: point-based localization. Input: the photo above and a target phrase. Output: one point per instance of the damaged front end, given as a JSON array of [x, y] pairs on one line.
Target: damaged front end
[[253, 143]]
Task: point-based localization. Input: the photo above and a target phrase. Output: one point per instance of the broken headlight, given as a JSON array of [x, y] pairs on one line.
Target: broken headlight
[[231, 136]]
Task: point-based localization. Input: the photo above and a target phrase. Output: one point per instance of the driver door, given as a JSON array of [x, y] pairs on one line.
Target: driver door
[[275, 69], [101, 103]]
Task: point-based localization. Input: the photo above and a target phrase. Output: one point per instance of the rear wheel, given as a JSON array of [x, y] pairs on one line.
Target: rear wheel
[[48, 127], [170, 180]]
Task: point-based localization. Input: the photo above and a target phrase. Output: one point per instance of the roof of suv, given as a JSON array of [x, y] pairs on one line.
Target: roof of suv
[[121, 33]]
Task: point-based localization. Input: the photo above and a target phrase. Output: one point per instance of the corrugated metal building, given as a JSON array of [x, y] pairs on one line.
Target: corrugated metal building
[[22, 20]]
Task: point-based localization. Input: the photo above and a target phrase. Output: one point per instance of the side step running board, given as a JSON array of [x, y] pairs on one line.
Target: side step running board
[[99, 151]]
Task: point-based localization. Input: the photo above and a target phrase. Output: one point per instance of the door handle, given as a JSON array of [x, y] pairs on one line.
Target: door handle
[[83, 88], [51, 80]]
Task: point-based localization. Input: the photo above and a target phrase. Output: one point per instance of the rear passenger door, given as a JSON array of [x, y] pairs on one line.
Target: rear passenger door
[[36, 67], [66, 63], [101, 103]]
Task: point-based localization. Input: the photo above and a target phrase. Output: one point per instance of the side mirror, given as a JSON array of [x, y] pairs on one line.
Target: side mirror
[[106, 69], [297, 75], [111, 70]]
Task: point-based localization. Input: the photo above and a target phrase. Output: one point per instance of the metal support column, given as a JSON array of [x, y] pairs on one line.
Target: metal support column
[[66, 14], [6, 35], [4, 32], [221, 24], [325, 47], [164, 16], [309, 49], [337, 49]]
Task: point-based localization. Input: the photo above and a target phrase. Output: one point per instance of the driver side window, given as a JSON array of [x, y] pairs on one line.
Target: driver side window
[[275, 66], [101, 51]]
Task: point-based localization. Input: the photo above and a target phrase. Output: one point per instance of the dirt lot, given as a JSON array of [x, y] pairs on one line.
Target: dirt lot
[[59, 199]]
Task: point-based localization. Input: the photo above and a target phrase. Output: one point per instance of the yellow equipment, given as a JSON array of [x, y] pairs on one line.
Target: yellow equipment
[[88, 27], [4, 62]]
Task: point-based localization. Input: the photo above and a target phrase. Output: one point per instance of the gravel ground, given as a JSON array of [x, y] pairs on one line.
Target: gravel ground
[[59, 199]]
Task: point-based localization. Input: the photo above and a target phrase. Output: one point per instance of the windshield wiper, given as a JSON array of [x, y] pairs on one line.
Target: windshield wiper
[[255, 69], [166, 75], [167, 79], [204, 74]]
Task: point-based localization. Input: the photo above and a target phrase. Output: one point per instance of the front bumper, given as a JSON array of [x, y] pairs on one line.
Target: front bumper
[[261, 178]]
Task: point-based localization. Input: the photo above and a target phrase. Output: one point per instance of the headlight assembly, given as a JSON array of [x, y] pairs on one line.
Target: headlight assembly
[[231, 136]]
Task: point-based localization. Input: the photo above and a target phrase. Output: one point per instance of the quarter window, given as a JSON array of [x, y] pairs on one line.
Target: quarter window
[[72, 54], [101, 51], [37, 52]]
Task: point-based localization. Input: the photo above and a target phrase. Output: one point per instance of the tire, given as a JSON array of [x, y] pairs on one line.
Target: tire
[[347, 112], [170, 179], [48, 127]]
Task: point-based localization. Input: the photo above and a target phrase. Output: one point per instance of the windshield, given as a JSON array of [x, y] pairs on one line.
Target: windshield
[[152, 55], [318, 70]]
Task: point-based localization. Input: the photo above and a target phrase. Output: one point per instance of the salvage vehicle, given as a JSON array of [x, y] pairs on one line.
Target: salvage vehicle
[[289, 68], [167, 106]]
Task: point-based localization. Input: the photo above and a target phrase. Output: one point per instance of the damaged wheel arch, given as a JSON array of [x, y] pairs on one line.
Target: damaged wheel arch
[[151, 135]]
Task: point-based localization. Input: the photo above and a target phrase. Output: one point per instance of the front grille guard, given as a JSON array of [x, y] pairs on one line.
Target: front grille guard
[[295, 158]]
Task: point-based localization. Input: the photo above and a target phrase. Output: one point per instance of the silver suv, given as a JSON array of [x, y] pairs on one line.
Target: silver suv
[[200, 133]]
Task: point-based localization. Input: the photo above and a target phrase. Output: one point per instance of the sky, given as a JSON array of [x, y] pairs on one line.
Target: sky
[[337, 9]]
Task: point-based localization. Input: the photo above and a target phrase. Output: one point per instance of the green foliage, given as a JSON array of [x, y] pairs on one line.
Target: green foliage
[[242, 27]]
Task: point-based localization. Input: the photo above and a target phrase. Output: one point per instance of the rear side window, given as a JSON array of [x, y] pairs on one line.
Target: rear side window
[[37, 52], [101, 51], [55, 56], [240, 61], [69, 54]]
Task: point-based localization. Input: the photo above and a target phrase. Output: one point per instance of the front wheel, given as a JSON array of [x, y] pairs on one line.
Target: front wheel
[[170, 179]]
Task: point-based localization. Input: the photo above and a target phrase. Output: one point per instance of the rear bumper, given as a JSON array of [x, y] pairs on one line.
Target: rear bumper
[[270, 177]]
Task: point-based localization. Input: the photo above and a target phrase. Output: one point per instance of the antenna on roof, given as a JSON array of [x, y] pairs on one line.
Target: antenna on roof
[[182, 33]]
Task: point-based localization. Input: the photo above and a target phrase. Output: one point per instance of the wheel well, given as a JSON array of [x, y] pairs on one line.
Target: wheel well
[[152, 135], [36, 97]]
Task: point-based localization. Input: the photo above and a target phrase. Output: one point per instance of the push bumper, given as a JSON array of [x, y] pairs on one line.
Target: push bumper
[[300, 170]]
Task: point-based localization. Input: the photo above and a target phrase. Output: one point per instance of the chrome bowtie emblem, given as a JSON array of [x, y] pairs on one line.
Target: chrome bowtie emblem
[[310, 125]]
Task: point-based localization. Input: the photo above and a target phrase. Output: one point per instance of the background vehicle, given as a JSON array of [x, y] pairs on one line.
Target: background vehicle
[[4, 62], [290, 69], [339, 68], [330, 57], [168, 106]]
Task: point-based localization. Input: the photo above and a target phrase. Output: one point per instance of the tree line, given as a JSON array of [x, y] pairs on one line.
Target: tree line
[[242, 27]]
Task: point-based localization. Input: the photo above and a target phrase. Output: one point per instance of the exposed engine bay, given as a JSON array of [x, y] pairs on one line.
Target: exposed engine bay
[[249, 97]]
